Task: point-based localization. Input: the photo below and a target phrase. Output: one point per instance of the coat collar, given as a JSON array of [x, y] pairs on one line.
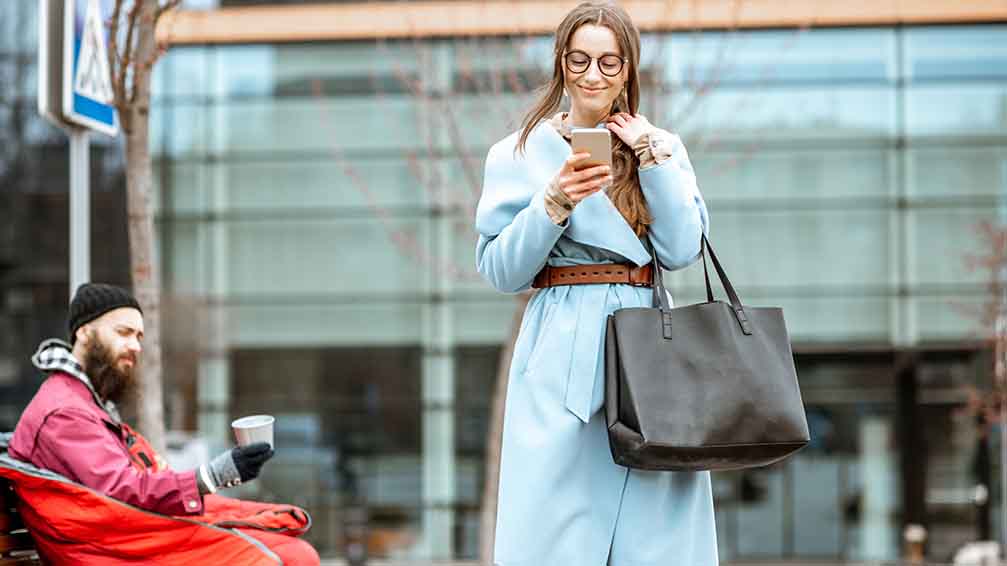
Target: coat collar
[[55, 355], [595, 220]]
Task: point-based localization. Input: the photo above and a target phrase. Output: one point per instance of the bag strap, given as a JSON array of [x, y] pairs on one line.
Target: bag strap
[[661, 297]]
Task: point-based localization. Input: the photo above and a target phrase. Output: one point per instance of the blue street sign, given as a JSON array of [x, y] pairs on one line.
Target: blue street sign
[[87, 78]]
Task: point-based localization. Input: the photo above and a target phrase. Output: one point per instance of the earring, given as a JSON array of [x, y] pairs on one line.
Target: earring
[[565, 93]]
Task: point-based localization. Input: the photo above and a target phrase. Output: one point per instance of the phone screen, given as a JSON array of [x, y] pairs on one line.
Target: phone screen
[[596, 141]]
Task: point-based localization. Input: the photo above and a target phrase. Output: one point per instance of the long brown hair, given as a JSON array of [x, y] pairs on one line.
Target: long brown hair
[[625, 191]]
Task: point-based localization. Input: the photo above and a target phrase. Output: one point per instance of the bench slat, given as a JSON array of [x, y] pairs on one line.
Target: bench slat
[[17, 541], [21, 560]]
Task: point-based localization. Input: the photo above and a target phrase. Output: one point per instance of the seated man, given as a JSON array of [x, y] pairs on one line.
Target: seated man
[[72, 427]]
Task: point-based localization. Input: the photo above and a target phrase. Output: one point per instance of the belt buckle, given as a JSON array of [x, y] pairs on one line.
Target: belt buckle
[[638, 283]]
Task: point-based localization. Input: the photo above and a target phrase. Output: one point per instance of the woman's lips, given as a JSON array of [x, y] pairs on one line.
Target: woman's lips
[[592, 90]]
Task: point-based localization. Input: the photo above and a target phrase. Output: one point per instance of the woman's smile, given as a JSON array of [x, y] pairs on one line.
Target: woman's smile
[[592, 91]]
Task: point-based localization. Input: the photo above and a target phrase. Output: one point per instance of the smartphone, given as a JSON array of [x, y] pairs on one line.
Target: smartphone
[[596, 141]]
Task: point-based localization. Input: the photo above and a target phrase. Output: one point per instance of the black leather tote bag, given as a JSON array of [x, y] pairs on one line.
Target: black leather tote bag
[[710, 386]]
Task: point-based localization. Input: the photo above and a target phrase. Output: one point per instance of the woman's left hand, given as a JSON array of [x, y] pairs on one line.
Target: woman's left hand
[[629, 128]]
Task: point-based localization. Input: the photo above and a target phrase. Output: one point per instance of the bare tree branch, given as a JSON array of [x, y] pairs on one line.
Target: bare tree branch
[[116, 65], [167, 6], [130, 62]]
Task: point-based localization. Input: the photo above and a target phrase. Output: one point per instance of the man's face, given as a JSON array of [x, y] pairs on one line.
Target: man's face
[[112, 346]]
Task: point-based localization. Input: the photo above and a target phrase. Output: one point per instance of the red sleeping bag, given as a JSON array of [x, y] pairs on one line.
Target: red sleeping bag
[[72, 524]]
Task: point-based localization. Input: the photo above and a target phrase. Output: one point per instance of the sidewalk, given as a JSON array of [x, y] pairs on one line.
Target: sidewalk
[[339, 562]]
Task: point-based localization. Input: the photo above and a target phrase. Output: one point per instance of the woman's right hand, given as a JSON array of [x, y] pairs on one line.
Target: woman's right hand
[[579, 183]]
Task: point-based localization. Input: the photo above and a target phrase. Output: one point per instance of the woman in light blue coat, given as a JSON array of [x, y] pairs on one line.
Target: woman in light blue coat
[[562, 500]]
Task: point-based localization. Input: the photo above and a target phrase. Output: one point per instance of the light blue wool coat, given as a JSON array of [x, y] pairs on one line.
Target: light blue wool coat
[[562, 500]]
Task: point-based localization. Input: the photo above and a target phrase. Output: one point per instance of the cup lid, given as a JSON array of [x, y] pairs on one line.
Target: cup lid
[[252, 421]]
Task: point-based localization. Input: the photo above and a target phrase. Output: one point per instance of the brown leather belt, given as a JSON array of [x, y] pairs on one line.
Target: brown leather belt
[[592, 274]]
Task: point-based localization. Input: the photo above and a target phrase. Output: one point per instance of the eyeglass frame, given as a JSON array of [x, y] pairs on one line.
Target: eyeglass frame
[[594, 60]]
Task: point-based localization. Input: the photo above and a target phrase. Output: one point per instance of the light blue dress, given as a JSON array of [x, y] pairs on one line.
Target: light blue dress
[[562, 500]]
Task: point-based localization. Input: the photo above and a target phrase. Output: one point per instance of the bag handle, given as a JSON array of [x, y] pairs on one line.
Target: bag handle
[[661, 297]]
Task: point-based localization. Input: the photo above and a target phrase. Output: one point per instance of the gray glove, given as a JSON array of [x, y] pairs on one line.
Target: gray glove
[[231, 468]]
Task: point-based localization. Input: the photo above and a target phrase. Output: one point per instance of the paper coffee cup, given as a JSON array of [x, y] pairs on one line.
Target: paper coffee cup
[[252, 429]]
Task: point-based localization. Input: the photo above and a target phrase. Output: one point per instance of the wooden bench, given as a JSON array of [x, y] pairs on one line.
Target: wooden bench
[[16, 546]]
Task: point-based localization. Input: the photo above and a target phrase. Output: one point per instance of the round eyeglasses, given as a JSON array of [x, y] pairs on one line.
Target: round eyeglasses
[[578, 62]]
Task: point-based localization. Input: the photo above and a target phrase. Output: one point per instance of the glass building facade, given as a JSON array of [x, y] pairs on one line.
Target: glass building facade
[[315, 207]]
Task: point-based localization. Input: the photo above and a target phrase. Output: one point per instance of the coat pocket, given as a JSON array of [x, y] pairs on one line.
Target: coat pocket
[[541, 337]]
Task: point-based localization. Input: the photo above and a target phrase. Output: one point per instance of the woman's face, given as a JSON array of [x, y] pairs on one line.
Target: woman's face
[[591, 89]]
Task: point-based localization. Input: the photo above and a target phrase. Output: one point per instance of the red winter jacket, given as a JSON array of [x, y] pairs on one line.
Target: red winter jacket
[[92, 491], [72, 525], [64, 430]]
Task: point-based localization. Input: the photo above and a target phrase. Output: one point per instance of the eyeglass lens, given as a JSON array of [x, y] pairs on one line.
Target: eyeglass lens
[[578, 62]]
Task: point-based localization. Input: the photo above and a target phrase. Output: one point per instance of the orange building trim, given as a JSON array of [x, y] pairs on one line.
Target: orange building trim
[[460, 18]]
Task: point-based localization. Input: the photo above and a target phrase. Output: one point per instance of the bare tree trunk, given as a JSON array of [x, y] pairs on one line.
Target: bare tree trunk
[[143, 267], [494, 437]]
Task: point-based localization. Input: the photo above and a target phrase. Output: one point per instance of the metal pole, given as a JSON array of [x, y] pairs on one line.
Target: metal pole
[[80, 208]]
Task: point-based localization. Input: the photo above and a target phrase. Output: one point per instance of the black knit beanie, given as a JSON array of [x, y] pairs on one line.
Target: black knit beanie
[[95, 299]]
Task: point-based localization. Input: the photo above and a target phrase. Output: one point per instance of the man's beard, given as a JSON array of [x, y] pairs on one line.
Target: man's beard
[[110, 382]]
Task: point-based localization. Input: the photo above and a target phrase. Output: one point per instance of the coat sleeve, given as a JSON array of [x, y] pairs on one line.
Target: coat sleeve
[[678, 210], [91, 455], [509, 257]]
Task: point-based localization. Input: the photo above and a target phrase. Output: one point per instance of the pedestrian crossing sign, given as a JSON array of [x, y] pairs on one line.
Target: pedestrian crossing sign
[[87, 93]]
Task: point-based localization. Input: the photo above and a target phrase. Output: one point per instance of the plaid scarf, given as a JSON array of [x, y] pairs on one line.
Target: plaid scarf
[[55, 355]]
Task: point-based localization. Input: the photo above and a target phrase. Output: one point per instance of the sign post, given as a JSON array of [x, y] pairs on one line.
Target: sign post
[[75, 92]]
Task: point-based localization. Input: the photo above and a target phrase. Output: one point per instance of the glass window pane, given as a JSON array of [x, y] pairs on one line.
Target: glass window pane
[[818, 513], [944, 239], [945, 52], [368, 185], [461, 180], [297, 323], [785, 176], [184, 262], [949, 316], [496, 66], [787, 56], [323, 125], [783, 249], [874, 528], [832, 318], [821, 315], [180, 130], [183, 72], [324, 257], [480, 121], [967, 111], [8, 72], [8, 24], [327, 69], [484, 321], [949, 172], [761, 512], [19, 27], [793, 115], [188, 188], [27, 77], [27, 27]]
